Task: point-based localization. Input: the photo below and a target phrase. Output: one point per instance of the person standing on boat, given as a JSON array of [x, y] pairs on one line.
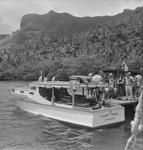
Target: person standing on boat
[[53, 78], [129, 80], [137, 85], [111, 83], [45, 79], [120, 85], [89, 90], [124, 65], [40, 79], [97, 77], [90, 75]]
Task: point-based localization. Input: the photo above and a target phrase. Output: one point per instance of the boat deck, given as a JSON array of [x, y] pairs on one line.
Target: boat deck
[[123, 101]]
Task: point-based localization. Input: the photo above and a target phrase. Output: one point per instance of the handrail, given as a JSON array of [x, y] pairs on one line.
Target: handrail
[[67, 84]]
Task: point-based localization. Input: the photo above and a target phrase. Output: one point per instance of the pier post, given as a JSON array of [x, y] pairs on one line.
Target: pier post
[[73, 97], [53, 96]]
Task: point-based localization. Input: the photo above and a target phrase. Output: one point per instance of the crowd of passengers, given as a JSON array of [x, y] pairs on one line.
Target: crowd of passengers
[[125, 85]]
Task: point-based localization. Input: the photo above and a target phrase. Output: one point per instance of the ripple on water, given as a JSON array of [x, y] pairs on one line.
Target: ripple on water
[[58, 135]]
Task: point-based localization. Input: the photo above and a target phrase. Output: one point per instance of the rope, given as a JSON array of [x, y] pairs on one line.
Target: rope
[[136, 125]]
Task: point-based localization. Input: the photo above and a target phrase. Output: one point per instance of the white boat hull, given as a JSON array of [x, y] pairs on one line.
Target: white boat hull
[[33, 102], [79, 116]]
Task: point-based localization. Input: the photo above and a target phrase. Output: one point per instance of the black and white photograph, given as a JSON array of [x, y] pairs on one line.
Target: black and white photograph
[[71, 74]]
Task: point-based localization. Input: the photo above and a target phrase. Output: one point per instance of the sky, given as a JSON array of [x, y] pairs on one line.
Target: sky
[[11, 11]]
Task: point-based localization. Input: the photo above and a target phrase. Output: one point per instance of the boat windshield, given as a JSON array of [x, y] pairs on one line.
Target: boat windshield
[[32, 87]]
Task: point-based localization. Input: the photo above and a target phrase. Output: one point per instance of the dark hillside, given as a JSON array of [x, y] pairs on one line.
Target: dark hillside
[[2, 36], [62, 44]]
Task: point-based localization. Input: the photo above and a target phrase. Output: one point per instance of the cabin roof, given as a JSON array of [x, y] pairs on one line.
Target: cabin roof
[[79, 77], [62, 84]]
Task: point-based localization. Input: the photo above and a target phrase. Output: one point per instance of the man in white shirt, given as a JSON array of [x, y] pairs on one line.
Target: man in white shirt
[[53, 78], [137, 85], [129, 80], [124, 66], [40, 78], [97, 78]]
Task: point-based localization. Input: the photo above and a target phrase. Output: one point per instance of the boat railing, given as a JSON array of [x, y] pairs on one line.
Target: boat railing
[[21, 88], [67, 84], [93, 109]]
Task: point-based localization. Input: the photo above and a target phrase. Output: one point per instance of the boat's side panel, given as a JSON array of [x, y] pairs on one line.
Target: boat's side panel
[[20, 92], [82, 117], [35, 96], [31, 94], [74, 116]]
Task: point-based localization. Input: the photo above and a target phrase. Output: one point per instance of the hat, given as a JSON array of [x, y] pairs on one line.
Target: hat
[[110, 74], [129, 73]]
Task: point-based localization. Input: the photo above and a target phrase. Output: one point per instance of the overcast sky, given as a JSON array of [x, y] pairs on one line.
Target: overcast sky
[[11, 11]]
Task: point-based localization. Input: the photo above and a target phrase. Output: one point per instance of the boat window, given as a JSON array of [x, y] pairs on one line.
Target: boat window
[[32, 88], [82, 80], [13, 90], [61, 95], [31, 93], [21, 91], [77, 80]]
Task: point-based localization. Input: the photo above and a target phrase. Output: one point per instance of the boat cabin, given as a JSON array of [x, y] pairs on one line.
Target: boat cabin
[[80, 78], [79, 91]]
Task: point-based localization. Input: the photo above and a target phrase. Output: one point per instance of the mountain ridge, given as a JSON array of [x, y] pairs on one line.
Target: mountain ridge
[[64, 24], [54, 23]]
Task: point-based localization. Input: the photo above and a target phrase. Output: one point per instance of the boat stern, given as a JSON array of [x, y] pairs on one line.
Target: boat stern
[[107, 116]]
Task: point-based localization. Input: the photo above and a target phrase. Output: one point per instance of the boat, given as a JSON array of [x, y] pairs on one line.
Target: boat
[[75, 101]]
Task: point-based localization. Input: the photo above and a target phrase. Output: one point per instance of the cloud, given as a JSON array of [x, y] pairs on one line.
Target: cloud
[[11, 11], [4, 27]]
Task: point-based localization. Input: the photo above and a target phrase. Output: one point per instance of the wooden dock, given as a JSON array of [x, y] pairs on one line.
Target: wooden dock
[[123, 102]]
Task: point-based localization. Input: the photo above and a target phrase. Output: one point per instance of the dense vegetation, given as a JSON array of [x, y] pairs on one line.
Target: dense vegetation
[[63, 50], [2, 36]]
